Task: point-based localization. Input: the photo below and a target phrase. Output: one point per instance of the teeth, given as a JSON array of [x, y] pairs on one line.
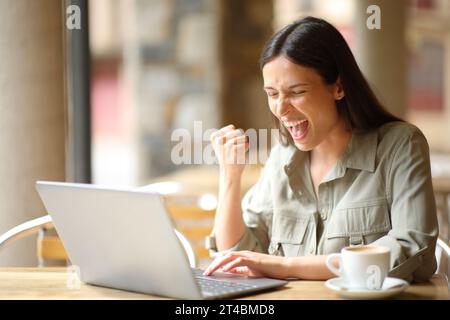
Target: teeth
[[293, 124]]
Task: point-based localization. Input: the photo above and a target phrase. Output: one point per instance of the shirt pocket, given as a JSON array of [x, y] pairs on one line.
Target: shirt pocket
[[359, 223], [288, 234]]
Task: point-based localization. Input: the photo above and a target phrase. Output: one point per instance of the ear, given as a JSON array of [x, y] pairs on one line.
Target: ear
[[338, 90]]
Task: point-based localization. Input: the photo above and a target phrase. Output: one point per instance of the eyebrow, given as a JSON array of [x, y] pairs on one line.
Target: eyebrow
[[290, 87]]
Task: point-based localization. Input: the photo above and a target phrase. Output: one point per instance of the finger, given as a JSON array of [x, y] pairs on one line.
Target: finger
[[246, 271], [223, 136], [219, 262], [240, 270], [221, 132], [218, 138], [223, 259], [233, 138], [244, 257], [221, 140], [238, 262], [236, 140], [234, 133], [227, 128], [214, 134]]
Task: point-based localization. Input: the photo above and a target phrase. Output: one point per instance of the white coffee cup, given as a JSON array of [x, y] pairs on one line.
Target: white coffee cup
[[361, 267]]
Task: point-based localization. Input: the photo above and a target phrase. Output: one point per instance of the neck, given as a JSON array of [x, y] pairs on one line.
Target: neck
[[332, 148]]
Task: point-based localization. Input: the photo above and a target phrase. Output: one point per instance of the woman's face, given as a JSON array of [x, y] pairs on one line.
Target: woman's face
[[302, 101]]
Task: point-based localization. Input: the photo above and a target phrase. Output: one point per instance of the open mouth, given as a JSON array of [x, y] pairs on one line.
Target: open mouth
[[298, 129]]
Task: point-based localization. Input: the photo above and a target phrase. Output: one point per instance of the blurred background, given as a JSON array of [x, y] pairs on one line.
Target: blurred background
[[99, 104]]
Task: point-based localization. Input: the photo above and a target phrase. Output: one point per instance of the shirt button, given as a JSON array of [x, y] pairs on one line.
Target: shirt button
[[311, 251]]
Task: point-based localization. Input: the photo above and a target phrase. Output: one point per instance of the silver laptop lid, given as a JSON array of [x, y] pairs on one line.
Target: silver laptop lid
[[119, 238]]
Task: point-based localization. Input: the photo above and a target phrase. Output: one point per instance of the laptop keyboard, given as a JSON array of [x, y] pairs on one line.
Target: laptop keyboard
[[220, 287]]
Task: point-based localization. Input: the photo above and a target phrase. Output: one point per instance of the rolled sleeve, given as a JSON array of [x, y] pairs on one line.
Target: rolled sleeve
[[247, 242], [412, 239]]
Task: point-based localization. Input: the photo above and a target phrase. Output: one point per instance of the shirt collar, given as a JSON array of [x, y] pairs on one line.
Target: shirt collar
[[360, 153]]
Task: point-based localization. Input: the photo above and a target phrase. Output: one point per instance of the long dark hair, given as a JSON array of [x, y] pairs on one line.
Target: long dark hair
[[315, 43]]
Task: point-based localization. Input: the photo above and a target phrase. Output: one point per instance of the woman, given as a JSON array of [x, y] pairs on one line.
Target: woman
[[346, 173]]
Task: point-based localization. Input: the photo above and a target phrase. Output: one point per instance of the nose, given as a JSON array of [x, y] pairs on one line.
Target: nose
[[282, 106]]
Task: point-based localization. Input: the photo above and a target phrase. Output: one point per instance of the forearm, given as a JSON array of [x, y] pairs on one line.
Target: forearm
[[229, 225], [308, 268]]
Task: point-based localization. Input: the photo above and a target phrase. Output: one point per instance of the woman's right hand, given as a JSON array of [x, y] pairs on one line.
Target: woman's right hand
[[230, 146]]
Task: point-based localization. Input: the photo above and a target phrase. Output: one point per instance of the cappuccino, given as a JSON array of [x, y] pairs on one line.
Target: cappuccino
[[361, 267]]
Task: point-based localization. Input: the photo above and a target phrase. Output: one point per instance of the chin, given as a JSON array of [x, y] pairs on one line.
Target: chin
[[303, 147]]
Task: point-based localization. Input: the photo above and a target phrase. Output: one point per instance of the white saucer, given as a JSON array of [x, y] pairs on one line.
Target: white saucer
[[391, 287]]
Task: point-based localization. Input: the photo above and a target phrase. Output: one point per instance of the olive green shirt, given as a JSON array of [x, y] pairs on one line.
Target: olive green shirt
[[379, 192]]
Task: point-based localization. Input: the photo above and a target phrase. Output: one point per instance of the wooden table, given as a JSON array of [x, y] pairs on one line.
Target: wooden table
[[51, 283]]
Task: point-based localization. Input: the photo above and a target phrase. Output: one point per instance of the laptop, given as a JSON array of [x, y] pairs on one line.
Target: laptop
[[125, 239]]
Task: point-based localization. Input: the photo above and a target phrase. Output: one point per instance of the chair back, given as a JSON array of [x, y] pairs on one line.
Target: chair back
[[192, 209], [50, 249], [196, 224]]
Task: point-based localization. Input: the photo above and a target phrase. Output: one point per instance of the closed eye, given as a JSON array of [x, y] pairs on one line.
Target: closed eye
[[298, 92], [271, 93]]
